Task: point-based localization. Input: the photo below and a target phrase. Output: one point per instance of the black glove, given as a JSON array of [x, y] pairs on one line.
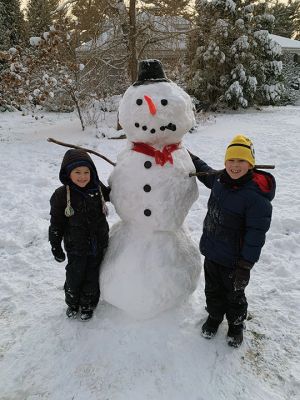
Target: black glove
[[242, 275], [58, 253]]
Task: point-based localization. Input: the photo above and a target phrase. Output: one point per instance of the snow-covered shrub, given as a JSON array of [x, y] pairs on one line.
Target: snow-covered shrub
[[291, 78], [235, 63]]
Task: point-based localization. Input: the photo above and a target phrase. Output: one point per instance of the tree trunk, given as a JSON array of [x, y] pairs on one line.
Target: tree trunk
[[74, 98], [132, 64]]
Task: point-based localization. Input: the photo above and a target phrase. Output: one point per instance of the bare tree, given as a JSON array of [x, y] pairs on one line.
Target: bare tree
[[136, 28]]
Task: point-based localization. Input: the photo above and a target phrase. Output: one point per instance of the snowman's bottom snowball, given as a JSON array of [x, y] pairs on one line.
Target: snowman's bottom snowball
[[147, 272]]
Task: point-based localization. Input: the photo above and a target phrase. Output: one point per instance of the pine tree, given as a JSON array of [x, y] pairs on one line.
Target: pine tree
[[3, 36], [287, 18], [291, 74], [91, 16], [296, 21], [53, 4], [11, 24], [235, 63], [39, 15], [168, 7], [210, 67]]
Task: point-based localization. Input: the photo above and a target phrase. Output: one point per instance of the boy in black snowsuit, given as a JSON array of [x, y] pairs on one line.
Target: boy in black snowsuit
[[238, 217], [78, 217]]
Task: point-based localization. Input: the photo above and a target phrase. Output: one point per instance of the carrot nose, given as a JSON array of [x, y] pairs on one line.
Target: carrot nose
[[151, 105]]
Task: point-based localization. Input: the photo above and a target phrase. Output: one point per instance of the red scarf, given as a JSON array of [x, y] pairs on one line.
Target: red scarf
[[161, 157]]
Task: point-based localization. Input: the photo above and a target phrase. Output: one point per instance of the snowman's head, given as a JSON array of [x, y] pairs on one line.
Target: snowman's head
[[155, 111]]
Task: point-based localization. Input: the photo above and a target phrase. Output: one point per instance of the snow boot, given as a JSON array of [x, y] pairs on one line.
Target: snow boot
[[85, 315], [235, 335], [210, 327], [72, 312]]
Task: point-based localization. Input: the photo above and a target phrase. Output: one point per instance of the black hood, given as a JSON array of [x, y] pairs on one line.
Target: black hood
[[77, 158]]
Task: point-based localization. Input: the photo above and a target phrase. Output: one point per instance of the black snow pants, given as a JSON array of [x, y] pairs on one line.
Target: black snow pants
[[82, 281], [221, 298]]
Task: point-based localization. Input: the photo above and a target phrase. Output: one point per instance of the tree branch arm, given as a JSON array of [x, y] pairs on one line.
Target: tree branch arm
[[215, 172], [73, 146]]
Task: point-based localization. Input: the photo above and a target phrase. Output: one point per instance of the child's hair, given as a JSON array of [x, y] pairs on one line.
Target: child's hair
[[241, 147]]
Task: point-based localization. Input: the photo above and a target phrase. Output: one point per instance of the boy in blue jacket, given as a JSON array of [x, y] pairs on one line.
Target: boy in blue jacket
[[238, 217]]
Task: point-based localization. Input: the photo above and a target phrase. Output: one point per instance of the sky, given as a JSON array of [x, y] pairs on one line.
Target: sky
[[114, 356]]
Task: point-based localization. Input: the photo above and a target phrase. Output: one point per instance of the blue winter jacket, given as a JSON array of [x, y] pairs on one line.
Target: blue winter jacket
[[238, 217]]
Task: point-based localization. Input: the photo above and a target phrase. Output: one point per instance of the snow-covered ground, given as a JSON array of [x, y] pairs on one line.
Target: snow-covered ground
[[44, 356]]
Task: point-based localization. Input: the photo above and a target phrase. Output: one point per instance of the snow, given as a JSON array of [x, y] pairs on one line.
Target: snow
[[146, 272], [179, 103], [265, 38], [45, 356], [152, 263], [272, 92], [35, 41], [240, 44], [286, 43]]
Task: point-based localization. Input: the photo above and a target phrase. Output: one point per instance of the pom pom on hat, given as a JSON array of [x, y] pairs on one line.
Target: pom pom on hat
[[241, 147]]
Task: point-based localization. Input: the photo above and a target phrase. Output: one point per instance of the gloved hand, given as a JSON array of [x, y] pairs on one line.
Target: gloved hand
[[58, 253], [242, 275]]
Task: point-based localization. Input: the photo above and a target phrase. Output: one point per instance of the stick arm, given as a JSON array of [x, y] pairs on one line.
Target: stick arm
[[218, 171], [73, 146]]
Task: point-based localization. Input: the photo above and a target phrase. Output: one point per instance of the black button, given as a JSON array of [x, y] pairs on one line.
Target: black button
[[147, 188], [147, 212], [148, 164]]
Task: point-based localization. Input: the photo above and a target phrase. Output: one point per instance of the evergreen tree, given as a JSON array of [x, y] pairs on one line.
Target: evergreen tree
[[297, 22], [168, 7], [11, 24], [39, 15], [291, 74], [91, 16], [235, 62], [2, 27], [287, 18], [53, 4]]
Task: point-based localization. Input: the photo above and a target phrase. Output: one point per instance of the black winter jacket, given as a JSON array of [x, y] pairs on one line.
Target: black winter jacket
[[86, 232], [238, 217]]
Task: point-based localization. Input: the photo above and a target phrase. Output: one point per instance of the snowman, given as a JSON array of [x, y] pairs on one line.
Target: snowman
[[152, 264]]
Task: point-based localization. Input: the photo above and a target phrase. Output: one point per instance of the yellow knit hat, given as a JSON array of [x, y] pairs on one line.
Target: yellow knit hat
[[241, 147]]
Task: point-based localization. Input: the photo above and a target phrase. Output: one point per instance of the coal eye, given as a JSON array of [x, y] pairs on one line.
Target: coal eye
[[139, 102], [164, 102]]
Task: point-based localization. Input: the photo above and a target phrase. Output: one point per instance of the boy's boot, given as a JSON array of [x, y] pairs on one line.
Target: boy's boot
[[210, 327], [72, 312], [235, 335], [86, 314]]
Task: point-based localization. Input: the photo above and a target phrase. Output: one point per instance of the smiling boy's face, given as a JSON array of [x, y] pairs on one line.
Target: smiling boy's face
[[237, 168], [80, 176]]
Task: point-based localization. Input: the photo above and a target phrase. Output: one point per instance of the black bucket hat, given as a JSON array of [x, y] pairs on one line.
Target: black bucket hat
[[150, 71]]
